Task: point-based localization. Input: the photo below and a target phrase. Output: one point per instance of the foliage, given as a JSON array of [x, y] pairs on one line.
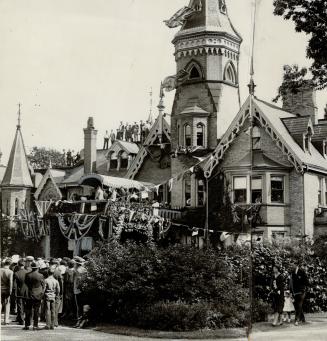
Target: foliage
[[40, 158], [293, 79], [265, 256], [198, 288], [309, 17]]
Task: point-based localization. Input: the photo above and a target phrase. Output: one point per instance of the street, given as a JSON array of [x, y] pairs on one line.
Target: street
[[315, 330]]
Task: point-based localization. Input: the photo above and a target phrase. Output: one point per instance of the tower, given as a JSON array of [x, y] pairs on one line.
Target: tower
[[207, 49], [17, 182]]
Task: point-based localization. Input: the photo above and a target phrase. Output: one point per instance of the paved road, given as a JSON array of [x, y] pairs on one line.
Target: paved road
[[313, 331]]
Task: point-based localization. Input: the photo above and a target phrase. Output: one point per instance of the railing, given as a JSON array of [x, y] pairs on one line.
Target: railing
[[171, 214]]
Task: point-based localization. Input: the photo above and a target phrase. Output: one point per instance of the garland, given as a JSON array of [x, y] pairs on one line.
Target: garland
[[78, 225]]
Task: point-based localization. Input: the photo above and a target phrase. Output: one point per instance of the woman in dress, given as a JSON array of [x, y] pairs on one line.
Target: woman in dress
[[277, 295]]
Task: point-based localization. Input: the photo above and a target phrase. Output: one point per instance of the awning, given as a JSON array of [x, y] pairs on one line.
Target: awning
[[95, 180]]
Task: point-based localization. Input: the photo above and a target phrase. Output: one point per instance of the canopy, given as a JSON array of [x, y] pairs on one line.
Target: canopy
[[95, 180]]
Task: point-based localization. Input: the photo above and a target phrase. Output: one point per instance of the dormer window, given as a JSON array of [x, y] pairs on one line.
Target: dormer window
[[324, 148], [307, 140]]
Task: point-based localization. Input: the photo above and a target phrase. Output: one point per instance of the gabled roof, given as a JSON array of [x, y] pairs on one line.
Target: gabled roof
[[160, 127], [128, 147], [55, 175], [17, 172], [272, 119]]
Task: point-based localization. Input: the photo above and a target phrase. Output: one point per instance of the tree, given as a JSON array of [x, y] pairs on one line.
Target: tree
[[293, 79], [40, 158], [309, 16]]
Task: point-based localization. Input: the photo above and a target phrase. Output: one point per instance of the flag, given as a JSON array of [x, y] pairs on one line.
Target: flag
[[169, 83], [179, 17]]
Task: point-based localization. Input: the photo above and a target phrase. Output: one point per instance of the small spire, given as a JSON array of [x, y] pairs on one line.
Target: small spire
[[161, 105], [150, 118], [50, 163], [19, 116]]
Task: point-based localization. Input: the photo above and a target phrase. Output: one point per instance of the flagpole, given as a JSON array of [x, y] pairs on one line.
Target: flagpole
[[251, 121]]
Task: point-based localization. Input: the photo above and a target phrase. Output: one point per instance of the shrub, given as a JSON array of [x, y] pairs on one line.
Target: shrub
[[140, 285]]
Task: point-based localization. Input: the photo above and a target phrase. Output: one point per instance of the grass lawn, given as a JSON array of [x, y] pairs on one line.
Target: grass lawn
[[198, 334]]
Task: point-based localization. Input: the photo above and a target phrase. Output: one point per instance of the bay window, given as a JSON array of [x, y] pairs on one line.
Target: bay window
[[200, 135], [201, 193], [277, 189], [187, 191], [239, 187], [256, 189]]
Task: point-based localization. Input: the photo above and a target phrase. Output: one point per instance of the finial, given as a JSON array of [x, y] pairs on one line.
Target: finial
[[50, 163], [150, 118], [19, 116]]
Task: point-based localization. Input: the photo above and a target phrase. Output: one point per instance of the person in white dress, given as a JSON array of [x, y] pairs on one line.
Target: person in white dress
[[288, 306]]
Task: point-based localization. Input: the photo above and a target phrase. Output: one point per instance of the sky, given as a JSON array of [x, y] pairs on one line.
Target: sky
[[66, 60]]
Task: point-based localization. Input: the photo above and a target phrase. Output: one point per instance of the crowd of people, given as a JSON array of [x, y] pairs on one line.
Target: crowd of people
[[288, 294], [136, 132], [43, 290]]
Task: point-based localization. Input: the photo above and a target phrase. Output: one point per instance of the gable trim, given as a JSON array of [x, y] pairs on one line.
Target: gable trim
[[43, 182], [235, 128]]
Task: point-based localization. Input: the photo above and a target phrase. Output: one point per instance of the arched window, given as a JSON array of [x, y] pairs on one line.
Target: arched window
[[307, 140], [230, 75], [16, 206], [187, 135], [194, 73], [187, 190], [200, 135]]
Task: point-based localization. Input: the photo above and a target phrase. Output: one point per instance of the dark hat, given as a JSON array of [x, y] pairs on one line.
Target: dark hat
[[35, 265], [54, 261]]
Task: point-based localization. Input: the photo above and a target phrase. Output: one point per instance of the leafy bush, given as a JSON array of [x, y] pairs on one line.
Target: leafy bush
[[141, 285]]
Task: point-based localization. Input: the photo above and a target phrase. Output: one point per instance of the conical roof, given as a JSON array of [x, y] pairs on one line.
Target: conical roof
[[209, 16], [17, 171]]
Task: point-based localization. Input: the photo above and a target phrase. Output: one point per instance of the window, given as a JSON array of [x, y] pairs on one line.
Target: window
[[320, 191], [187, 135], [230, 75], [277, 189], [187, 191], [194, 74], [201, 193], [123, 163], [256, 189], [178, 135], [16, 206], [325, 191], [240, 189], [307, 140], [256, 137], [200, 135], [278, 235]]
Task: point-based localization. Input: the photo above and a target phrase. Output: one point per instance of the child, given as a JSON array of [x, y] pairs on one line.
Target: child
[[288, 306], [52, 292]]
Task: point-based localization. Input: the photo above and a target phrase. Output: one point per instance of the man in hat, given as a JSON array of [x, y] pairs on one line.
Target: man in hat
[[298, 284], [35, 284], [28, 261], [14, 268], [77, 285], [69, 290], [6, 288], [20, 290]]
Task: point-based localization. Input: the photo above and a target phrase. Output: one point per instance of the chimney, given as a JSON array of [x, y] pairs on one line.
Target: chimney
[[301, 102], [90, 147]]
